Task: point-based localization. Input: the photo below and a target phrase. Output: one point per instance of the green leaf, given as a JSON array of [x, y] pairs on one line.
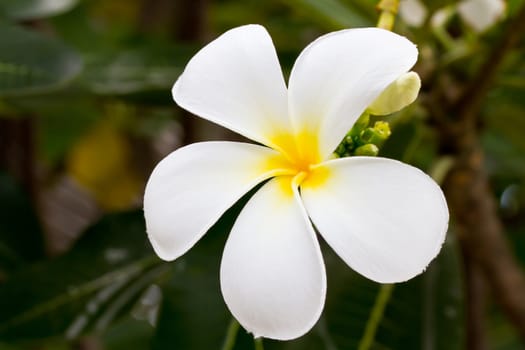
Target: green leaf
[[61, 125], [134, 70], [85, 289], [46, 66], [34, 9], [128, 334], [337, 14]]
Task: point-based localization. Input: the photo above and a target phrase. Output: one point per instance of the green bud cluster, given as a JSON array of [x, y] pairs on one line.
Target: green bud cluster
[[363, 139]]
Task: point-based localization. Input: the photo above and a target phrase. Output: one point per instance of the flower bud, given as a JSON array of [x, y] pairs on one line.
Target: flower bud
[[369, 149], [376, 135], [397, 95]]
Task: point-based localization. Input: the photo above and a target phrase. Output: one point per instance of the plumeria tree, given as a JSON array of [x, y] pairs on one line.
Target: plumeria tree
[[227, 175]]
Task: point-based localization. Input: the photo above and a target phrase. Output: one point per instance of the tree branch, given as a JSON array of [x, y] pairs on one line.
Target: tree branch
[[17, 151], [467, 185]]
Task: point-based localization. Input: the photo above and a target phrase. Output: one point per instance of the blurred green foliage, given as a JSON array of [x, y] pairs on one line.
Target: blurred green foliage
[[77, 69], [23, 74]]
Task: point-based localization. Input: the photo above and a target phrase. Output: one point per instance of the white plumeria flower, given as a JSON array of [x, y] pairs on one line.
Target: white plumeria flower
[[413, 12], [478, 14], [385, 219], [482, 14]]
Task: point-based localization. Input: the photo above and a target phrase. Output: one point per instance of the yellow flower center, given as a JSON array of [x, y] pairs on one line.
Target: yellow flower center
[[301, 150], [299, 160]]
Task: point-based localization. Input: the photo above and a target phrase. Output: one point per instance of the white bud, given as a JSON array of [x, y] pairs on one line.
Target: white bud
[[397, 95]]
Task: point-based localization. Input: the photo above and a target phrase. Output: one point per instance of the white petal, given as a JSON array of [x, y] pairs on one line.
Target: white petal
[[481, 14], [413, 12], [272, 272], [387, 220], [192, 187], [236, 81], [337, 76]]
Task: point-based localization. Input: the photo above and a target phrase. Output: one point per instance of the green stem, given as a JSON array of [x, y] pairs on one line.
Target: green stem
[[444, 38], [388, 10], [258, 343], [383, 296], [231, 335]]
